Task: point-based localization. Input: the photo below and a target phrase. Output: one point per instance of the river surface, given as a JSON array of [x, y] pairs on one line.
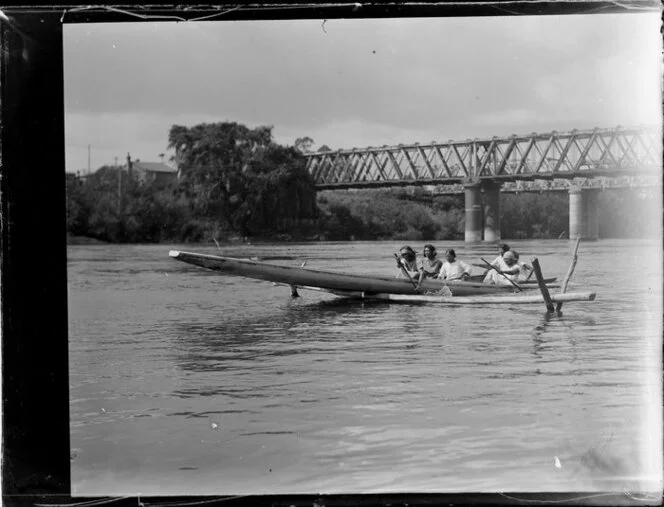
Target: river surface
[[184, 381]]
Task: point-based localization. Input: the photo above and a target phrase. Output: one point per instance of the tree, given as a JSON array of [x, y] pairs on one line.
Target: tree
[[280, 188], [240, 177], [304, 144], [212, 159]]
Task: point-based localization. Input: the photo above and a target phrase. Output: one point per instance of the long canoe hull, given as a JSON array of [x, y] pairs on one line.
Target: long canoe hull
[[330, 281], [511, 299]]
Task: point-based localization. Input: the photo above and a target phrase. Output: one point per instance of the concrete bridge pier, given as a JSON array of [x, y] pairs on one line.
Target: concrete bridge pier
[[473, 207], [482, 214], [583, 216], [491, 211]]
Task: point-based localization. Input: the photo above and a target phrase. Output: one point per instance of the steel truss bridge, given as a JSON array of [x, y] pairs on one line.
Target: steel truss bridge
[[598, 158]]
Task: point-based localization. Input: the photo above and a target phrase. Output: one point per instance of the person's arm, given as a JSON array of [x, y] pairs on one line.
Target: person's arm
[[435, 272], [525, 273], [466, 270], [400, 266], [421, 275]]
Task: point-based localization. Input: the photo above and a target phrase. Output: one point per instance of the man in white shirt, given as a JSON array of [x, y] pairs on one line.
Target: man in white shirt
[[453, 269], [507, 269]]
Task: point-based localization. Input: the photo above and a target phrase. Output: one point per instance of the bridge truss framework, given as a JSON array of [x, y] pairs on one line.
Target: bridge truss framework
[[576, 161], [599, 152]]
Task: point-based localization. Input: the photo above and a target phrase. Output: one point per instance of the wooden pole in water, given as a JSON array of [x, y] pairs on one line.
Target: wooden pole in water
[[293, 288], [542, 285], [569, 273]]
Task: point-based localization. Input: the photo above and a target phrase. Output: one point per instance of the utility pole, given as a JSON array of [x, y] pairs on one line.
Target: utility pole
[[88, 159], [119, 186]]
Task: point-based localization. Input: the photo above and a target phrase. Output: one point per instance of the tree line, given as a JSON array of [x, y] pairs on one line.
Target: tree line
[[237, 182]]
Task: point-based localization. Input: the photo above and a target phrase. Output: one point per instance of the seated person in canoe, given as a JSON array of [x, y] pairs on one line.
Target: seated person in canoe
[[429, 266], [526, 269], [452, 268], [504, 247], [507, 271], [407, 262]]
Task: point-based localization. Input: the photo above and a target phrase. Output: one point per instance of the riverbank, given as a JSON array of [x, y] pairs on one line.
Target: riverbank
[[84, 240], [399, 216]]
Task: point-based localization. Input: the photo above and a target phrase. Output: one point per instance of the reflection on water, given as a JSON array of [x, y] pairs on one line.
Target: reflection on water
[[553, 327], [174, 370]]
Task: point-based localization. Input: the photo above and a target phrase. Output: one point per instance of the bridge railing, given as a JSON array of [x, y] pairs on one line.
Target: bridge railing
[[592, 153]]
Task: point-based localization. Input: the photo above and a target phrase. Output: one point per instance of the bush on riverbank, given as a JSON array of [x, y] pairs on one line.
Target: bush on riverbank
[[387, 214]]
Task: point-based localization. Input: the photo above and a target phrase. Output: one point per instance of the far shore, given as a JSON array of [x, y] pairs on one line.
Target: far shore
[[84, 240]]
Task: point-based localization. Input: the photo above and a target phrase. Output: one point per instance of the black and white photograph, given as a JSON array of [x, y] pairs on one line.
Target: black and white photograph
[[370, 255]]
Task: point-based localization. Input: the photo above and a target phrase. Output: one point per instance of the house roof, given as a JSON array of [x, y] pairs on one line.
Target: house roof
[[156, 167]]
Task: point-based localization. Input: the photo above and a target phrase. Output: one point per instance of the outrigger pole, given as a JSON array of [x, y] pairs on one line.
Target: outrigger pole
[[542, 285], [543, 288], [569, 273]]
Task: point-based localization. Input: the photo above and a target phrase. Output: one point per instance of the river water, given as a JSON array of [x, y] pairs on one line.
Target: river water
[[183, 381]]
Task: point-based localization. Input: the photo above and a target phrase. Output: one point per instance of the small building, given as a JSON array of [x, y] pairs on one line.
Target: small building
[[153, 173]]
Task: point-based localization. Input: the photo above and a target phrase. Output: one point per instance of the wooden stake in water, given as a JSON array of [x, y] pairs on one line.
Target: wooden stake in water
[[569, 273], [218, 247], [542, 285], [293, 288]]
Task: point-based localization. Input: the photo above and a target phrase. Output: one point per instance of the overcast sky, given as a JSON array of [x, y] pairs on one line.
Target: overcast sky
[[356, 83]]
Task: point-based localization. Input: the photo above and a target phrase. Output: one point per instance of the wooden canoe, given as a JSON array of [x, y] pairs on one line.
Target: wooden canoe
[[487, 299], [331, 281]]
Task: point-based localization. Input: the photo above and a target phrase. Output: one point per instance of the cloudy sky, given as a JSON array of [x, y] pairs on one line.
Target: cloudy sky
[[356, 83]]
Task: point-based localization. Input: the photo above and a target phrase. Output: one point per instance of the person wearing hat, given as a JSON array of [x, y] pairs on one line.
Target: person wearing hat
[[508, 268], [430, 266], [454, 269], [407, 261]]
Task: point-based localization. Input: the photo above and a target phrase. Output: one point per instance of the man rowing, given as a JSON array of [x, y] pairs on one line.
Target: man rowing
[[506, 270]]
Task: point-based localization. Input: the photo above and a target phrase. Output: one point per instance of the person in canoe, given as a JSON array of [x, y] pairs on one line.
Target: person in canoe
[[504, 247], [407, 263], [430, 266], [453, 268], [526, 269], [507, 271]]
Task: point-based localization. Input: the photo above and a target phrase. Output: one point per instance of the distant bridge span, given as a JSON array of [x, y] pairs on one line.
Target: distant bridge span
[[577, 161]]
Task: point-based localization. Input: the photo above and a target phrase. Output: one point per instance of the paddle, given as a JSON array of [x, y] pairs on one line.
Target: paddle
[[405, 271], [499, 271]]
